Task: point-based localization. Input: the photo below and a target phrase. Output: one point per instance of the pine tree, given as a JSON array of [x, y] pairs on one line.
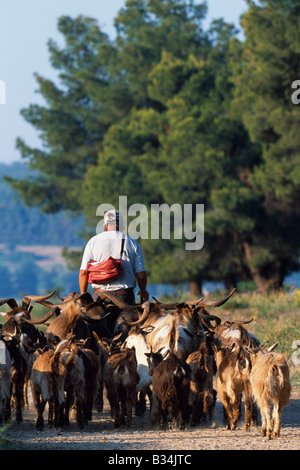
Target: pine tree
[[269, 63]]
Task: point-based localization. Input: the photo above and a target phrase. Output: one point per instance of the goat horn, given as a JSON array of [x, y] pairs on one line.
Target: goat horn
[[26, 299], [10, 302], [61, 346], [144, 316], [194, 303], [215, 303], [60, 298], [51, 305], [92, 319], [271, 348], [238, 322], [116, 301], [44, 319], [169, 306], [206, 316]]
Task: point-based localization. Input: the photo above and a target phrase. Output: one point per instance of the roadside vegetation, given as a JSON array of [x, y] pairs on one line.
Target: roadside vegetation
[[275, 319]]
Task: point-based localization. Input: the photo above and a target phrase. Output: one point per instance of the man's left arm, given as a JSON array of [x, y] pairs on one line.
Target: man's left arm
[[83, 280]]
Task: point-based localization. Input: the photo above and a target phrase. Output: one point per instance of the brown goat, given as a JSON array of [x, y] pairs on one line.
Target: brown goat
[[227, 334], [270, 384], [171, 387], [233, 379], [47, 383], [74, 385], [188, 317], [74, 315], [92, 376], [5, 385], [120, 379], [202, 397]]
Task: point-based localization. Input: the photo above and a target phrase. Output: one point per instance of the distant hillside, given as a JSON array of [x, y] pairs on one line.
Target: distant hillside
[[21, 225], [31, 243]]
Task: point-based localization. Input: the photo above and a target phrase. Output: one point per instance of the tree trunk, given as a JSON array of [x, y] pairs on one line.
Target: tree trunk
[[230, 282], [267, 278], [195, 288]]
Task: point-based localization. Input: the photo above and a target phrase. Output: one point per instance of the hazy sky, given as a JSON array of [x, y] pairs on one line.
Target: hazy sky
[[25, 28]]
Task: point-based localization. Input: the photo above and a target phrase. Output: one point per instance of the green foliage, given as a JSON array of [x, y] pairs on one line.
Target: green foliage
[[263, 100]]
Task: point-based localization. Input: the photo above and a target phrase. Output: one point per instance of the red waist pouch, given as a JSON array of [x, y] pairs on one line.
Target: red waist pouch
[[106, 271]]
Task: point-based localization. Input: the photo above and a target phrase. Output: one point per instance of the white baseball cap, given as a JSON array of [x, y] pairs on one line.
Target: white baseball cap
[[114, 217]]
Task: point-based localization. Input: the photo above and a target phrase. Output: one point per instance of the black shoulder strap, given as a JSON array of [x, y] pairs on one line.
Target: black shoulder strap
[[122, 245]]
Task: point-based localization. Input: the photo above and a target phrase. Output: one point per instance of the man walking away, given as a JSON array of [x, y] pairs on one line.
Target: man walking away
[[107, 244]]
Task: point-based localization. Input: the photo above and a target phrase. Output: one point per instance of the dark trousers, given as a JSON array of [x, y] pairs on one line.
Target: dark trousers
[[126, 296]]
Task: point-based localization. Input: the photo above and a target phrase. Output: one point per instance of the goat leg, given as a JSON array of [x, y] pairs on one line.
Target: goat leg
[[164, 417], [67, 406], [254, 414], [247, 408], [212, 404], [226, 408], [235, 412], [7, 410], [79, 413], [40, 406], [181, 419], [129, 412], [277, 410], [51, 413], [59, 414], [123, 403], [154, 411], [195, 412]]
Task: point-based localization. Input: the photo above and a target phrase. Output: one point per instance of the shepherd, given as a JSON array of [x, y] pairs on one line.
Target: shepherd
[[113, 262]]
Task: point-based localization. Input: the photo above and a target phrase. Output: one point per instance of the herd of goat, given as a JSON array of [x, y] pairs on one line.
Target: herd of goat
[[167, 353]]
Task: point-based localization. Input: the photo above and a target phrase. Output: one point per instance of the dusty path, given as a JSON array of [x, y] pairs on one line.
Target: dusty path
[[101, 435]]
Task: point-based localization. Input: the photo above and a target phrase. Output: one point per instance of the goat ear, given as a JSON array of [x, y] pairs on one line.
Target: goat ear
[[274, 346], [248, 349], [117, 337], [166, 353], [188, 333], [146, 329], [233, 347]]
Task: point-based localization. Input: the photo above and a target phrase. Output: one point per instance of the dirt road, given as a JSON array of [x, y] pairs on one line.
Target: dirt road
[[101, 435]]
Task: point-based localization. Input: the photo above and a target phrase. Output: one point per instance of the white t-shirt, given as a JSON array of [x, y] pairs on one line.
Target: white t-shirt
[[102, 246]]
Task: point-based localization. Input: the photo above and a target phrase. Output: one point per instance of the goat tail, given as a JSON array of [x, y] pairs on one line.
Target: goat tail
[[179, 374], [279, 377], [282, 374], [61, 346]]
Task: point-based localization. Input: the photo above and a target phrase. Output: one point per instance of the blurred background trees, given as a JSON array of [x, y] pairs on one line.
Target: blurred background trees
[[170, 113]]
